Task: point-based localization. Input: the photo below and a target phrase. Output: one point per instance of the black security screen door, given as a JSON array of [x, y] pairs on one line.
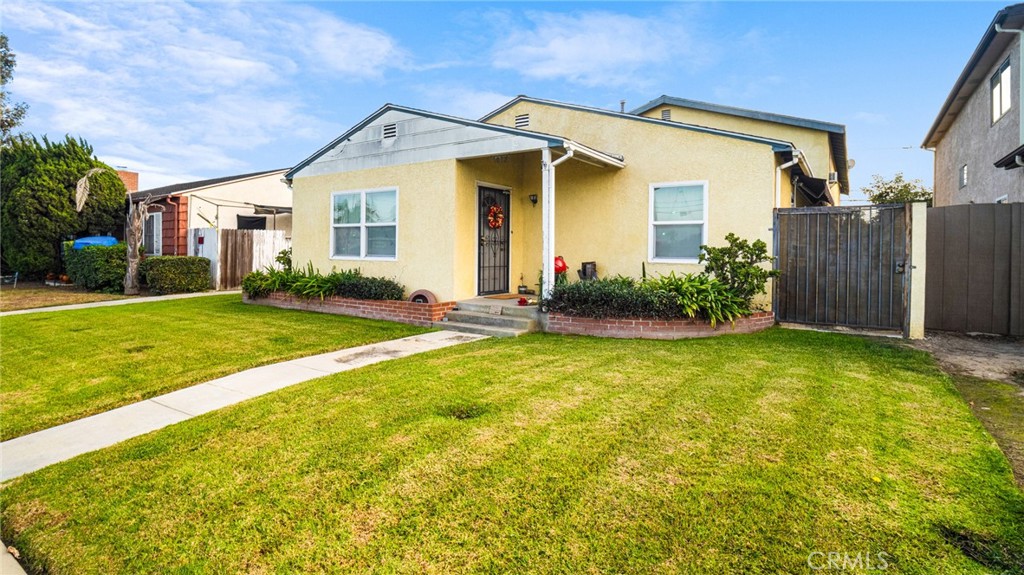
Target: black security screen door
[[492, 255]]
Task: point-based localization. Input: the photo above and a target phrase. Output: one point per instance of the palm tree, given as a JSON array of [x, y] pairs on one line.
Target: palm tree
[[137, 212]]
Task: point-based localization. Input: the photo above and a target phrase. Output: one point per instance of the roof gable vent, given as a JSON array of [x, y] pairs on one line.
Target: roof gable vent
[[522, 121], [390, 131], [666, 114]]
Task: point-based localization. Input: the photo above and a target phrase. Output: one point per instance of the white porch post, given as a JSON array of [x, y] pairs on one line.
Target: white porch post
[[547, 223]]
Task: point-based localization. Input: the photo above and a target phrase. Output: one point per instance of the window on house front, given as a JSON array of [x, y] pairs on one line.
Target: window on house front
[[152, 234], [1000, 83], [364, 224], [678, 218], [963, 176]]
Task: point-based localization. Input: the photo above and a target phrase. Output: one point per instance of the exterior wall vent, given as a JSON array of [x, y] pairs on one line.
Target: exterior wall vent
[[390, 131], [522, 121], [666, 114]]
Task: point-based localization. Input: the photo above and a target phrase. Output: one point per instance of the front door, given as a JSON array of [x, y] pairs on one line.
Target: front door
[[492, 254]]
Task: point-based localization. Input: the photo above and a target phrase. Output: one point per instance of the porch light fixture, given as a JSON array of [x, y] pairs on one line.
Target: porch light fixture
[[533, 199]]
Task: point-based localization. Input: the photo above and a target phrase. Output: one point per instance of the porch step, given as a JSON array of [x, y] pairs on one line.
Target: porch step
[[529, 311], [479, 329], [506, 321], [477, 318]]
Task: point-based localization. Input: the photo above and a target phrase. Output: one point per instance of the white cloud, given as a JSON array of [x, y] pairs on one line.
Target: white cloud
[[461, 101], [175, 89], [601, 48], [871, 118]]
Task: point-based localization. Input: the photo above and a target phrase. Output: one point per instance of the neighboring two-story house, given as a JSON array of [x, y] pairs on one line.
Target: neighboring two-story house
[[978, 136]]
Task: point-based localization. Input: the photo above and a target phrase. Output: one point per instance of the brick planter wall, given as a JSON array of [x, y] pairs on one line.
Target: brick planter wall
[[654, 329], [422, 314]]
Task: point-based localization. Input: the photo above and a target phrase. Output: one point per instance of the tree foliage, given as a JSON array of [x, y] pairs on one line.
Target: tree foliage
[[11, 114], [897, 190], [37, 201]]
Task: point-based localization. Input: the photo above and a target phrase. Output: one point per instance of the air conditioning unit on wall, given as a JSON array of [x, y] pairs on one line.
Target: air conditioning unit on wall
[[833, 177]]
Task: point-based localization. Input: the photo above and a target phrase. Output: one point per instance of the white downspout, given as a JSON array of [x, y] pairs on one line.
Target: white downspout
[[1020, 76], [778, 176], [548, 216]]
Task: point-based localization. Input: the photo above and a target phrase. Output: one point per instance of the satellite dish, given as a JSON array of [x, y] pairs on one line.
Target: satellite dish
[[850, 164]]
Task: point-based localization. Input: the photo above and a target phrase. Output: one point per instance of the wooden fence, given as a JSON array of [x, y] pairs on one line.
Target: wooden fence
[[843, 266], [235, 253], [976, 269]]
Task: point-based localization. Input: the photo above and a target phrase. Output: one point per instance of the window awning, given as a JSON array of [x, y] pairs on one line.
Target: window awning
[[815, 190], [1009, 162]]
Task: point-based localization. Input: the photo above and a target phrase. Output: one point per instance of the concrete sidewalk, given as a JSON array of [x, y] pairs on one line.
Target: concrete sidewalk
[[126, 301], [28, 453]]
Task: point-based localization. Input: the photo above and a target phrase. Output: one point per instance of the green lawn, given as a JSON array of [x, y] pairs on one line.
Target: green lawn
[[61, 366], [547, 454]]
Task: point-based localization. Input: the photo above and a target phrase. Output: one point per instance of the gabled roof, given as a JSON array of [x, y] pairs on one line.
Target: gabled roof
[[175, 189], [742, 113], [547, 140], [777, 145], [836, 132], [975, 73]]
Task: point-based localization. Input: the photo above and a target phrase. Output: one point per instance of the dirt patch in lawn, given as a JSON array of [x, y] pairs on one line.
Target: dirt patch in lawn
[[982, 356], [989, 373], [31, 295]]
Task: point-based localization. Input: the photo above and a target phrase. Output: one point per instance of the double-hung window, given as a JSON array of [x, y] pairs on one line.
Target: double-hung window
[[1000, 83], [364, 224], [678, 221], [152, 234]]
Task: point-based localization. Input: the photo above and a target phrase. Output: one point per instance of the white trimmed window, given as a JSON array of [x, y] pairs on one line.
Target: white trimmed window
[[364, 224], [152, 234], [1001, 100], [963, 176], [678, 221]]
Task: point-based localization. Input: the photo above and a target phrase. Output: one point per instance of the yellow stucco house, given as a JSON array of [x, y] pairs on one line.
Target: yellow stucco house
[[473, 207]]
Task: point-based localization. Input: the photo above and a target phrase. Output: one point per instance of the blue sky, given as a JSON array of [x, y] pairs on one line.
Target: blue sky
[[182, 91]]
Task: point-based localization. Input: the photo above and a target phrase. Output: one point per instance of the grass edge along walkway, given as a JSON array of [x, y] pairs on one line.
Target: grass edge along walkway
[[31, 452]]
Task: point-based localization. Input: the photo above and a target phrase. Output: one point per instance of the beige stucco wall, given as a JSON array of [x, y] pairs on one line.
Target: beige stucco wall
[[266, 190], [427, 217], [813, 143], [602, 214]]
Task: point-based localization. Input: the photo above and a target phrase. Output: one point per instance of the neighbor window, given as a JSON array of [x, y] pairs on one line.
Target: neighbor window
[[364, 224], [152, 234], [678, 219], [1002, 199], [1001, 84], [963, 176]]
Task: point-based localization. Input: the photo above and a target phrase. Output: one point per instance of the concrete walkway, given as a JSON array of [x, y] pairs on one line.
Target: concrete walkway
[[125, 301], [28, 453]]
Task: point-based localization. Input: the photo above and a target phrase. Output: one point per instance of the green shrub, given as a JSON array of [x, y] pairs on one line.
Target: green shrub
[[698, 295], [738, 266], [176, 274], [612, 298], [308, 283], [97, 268], [665, 298]]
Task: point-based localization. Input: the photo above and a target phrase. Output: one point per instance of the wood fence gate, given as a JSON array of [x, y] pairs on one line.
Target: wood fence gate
[[235, 253], [976, 269], [843, 266]]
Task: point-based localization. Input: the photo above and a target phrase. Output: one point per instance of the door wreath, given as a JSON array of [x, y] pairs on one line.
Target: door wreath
[[495, 217]]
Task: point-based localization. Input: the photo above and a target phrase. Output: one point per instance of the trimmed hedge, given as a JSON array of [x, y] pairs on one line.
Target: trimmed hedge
[[613, 298], [97, 268], [665, 298], [309, 283], [176, 274]]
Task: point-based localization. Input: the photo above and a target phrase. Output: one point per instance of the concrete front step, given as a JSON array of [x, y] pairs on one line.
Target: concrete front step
[[506, 321], [479, 329], [529, 311]]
